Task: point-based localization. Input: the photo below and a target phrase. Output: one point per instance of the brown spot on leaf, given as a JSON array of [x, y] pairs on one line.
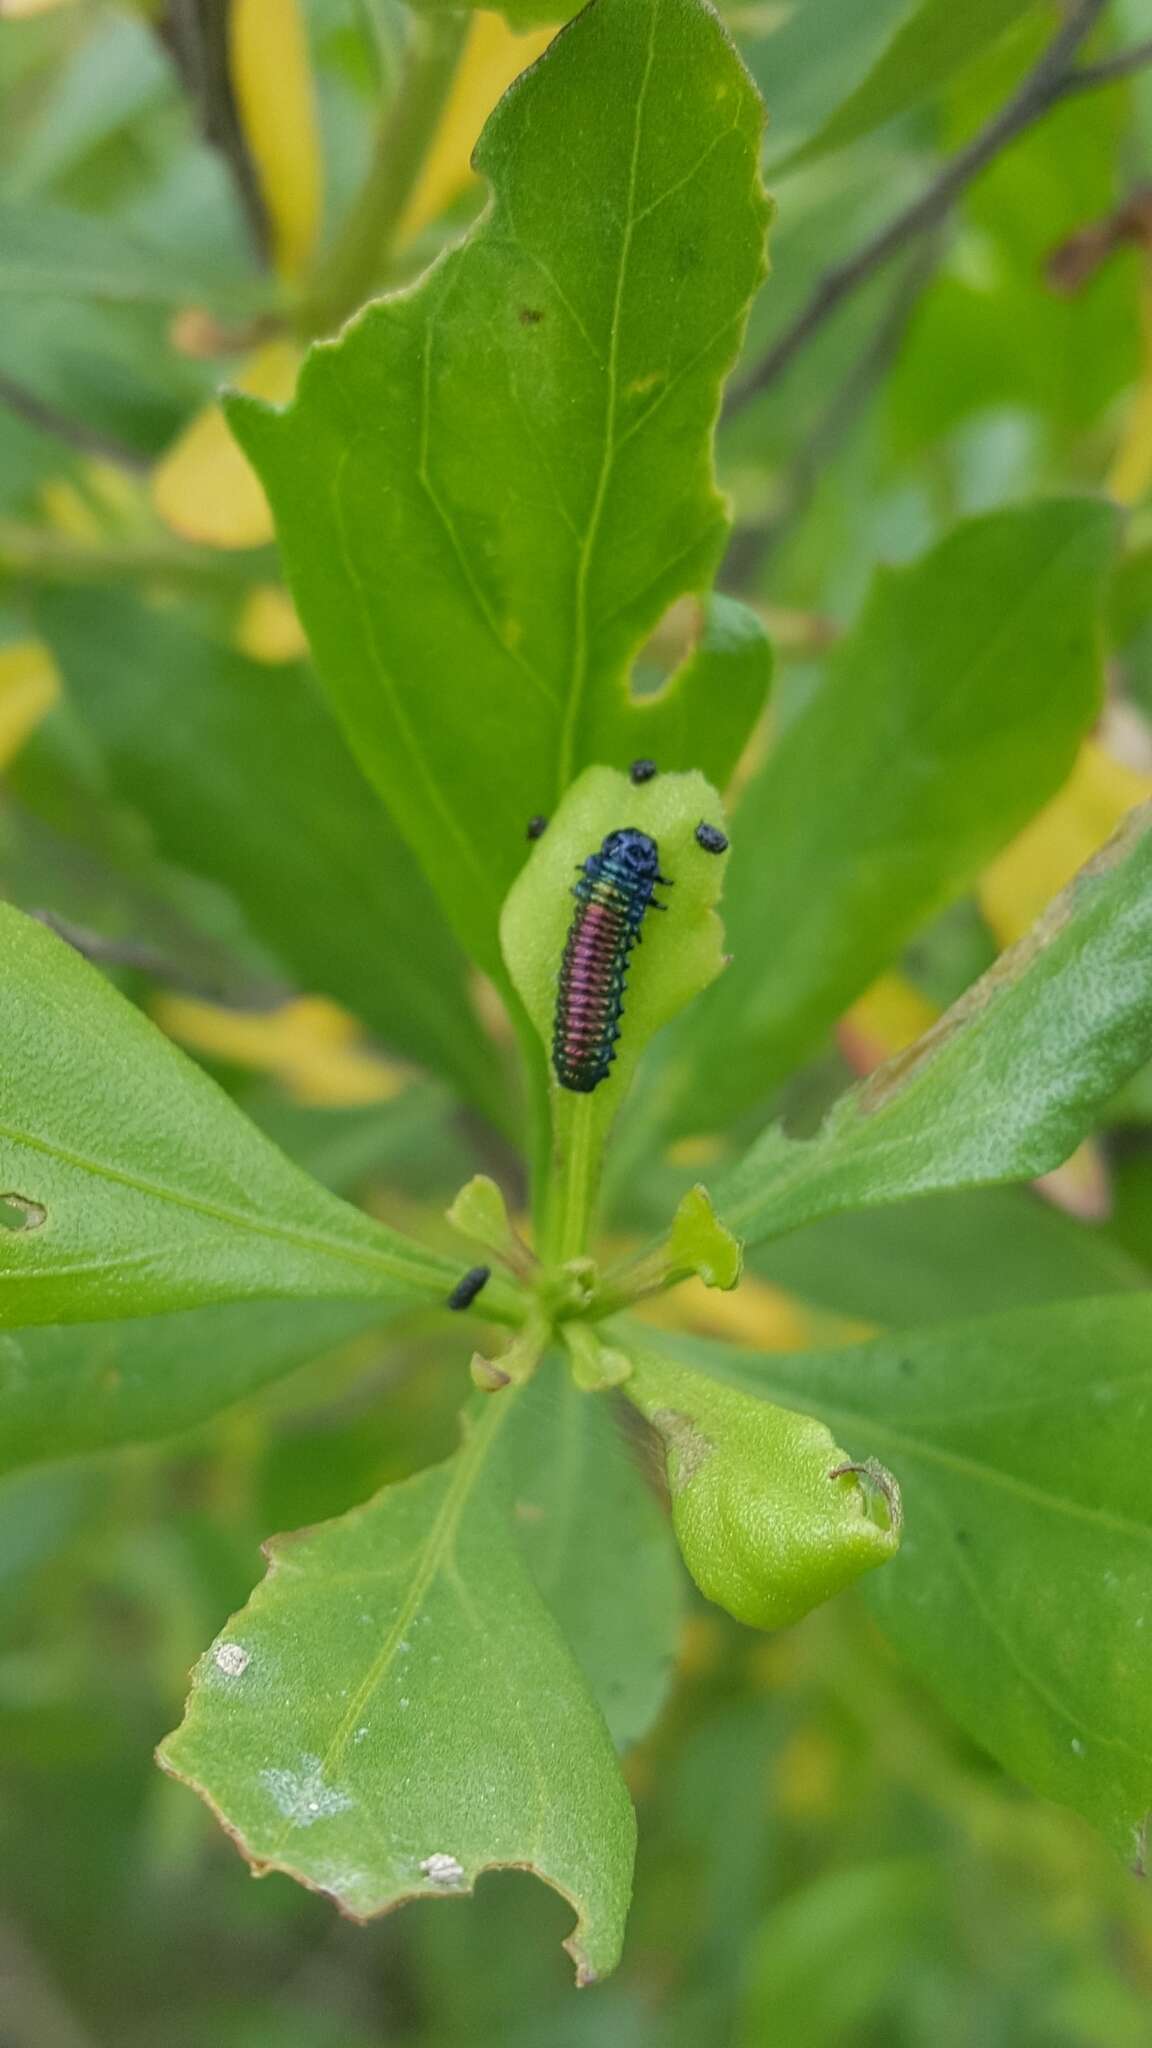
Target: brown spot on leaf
[[681, 1434], [531, 316]]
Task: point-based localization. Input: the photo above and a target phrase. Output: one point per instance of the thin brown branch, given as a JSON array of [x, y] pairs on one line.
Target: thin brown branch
[[105, 951], [195, 34], [751, 545], [48, 419], [1109, 71], [1051, 79]]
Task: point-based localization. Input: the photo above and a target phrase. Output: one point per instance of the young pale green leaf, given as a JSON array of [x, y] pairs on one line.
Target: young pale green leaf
[[396, 1711], [771, 1516], [699, 1243], [950, 713], [68, 1391], [1022, 1445], [245, 779], [130, 1184], [680, 948], [490, 487], [933, 42], [1008, 1081], [598, 1545], [679, 951]]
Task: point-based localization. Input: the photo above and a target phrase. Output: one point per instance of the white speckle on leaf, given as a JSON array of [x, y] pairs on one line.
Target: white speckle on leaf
[[302, 1796], [360, 1734], [405, 1703], [231, 1658], [441, 1869], [1077, 1746]]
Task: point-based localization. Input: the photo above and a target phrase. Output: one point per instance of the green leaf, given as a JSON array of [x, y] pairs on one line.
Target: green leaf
[[809, 58], [71, 1390], [65, 844], [1008, 1081], [244, 778], [971, 1253], [698, 1242], [41, 1514], [820, 1968], [492, 486], [598, 1545], [385, 1718], [130, 1184], [1020, 1594], [934, 42], [116, 73], [51, 251], [948, 716], [771, 1516]]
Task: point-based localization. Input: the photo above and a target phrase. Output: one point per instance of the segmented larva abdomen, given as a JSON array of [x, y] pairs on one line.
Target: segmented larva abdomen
[[612, 895]]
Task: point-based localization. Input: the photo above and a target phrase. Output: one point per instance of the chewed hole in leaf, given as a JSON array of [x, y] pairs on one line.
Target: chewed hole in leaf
[[20, 1212], [668, 645]]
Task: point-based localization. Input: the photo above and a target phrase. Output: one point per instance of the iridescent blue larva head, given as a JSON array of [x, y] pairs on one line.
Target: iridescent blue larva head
[[633, 851]]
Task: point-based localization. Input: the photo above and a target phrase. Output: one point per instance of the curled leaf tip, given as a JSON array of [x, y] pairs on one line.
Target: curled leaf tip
[[487, 1375], [765, 1529]]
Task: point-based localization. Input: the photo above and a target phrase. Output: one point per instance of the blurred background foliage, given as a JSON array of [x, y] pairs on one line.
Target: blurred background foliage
[[823, 1860]]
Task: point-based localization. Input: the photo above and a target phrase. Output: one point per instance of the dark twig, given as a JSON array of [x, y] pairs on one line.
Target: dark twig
[[751, 545], [38, 412], [1052, 78], [1125, 64], [104, 951], [195, 34]]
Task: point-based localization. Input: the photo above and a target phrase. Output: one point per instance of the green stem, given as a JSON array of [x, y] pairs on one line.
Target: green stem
[[538, 1106], [32, 555], [576, 1178], [358, 261]]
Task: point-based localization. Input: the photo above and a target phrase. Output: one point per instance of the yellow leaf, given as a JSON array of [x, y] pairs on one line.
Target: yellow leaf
[[269, 628], [67, 509], [272, 81], [887, 1017], [1083, 1185], [493, 57], [697, 1154], [1067, 832], [315, 1049], [204, 488], [29, 686], [808, 1775], [755, 1314]]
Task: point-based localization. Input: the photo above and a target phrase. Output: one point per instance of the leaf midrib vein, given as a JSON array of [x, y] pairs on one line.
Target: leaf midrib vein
[[216, 1211], [437, 1547], [579, 675]]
